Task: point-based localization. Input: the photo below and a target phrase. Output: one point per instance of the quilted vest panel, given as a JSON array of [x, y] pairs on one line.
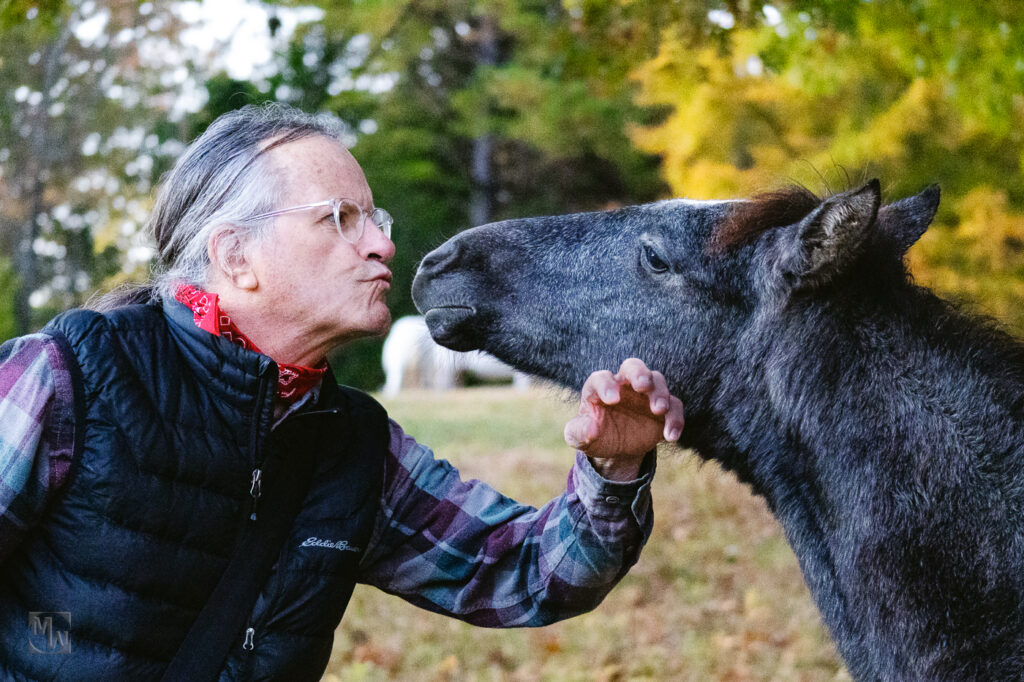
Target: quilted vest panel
[[175, 420]]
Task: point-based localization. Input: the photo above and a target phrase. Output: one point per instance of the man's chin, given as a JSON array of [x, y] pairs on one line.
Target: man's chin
[[383, 326], [377, 323]]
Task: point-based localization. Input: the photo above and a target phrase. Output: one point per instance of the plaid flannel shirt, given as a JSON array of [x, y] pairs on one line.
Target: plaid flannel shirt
[[451, 546]]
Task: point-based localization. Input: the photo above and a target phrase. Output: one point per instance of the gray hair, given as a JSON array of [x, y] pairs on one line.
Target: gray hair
[[224, 178]]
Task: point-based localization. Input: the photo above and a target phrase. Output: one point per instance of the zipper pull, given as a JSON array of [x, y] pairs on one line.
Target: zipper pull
[[256, 489], [248, 645]]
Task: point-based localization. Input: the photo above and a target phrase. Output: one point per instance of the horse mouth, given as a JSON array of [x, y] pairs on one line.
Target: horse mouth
[[453, 326]]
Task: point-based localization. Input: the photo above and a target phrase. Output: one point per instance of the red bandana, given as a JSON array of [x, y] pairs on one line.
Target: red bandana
[[293, 381]]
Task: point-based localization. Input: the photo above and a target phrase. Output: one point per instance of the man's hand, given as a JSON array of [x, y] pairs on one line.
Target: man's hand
[[622, 417]]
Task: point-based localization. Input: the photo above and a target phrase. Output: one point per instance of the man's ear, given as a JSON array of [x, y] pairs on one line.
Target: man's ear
[[821, 247], [227, 253]]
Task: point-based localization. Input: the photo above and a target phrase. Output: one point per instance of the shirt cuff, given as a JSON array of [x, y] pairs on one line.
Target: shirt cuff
[[606, 498]]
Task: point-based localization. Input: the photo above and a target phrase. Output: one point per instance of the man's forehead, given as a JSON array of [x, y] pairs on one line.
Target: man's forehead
[[317, 165]]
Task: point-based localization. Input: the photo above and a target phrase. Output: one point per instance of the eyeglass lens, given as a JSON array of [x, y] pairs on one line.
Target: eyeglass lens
[[350, 219]]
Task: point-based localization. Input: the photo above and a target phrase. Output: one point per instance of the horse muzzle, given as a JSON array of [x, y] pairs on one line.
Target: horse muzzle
[[444, 292]]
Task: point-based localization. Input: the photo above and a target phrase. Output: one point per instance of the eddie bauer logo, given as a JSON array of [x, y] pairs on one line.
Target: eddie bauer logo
[[49, 632], [340, 545]]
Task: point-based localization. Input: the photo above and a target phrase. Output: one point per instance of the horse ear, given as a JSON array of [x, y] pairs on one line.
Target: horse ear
[[821, 246], [903, 222]]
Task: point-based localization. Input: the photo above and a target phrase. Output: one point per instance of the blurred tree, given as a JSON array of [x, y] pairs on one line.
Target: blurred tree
[[914, 93], [8, 289], [464, 112], [87, 88]]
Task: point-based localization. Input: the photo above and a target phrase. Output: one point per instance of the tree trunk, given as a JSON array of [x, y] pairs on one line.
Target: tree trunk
[[480, 207], [36, 174]]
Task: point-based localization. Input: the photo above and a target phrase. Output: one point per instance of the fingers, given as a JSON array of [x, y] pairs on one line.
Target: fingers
[[674, 419], [603, 387], [643, 380], [651, 382]]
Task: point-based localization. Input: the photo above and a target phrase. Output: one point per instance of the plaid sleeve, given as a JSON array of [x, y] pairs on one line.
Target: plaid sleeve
[[461, 548], [36, 431]]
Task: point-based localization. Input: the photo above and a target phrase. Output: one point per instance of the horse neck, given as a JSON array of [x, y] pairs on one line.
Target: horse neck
[[915, 373], [842, 426]]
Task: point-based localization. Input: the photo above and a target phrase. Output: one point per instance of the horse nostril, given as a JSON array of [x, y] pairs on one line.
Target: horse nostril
[[428, 288], [440, 258]]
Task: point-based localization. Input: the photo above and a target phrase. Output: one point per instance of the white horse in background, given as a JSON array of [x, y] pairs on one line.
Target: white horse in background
[[411, 357]]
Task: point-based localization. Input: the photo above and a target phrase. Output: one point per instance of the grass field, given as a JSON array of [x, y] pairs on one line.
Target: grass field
[[717, 594]]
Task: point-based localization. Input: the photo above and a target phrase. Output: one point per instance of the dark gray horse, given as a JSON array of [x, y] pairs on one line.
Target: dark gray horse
[[883, 426]]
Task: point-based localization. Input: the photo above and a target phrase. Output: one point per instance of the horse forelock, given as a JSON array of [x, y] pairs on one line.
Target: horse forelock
[[748, 220]]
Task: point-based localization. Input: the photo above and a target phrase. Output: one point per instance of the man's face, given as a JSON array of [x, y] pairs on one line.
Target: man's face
[[311, 279]]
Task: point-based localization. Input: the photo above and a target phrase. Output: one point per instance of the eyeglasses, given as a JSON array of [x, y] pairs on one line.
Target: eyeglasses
[[349, 217]]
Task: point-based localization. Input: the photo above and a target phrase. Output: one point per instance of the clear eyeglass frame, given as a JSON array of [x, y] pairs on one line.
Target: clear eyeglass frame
[[349, 217]]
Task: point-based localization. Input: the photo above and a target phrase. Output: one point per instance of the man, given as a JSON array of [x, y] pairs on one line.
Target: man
[[183, 485]]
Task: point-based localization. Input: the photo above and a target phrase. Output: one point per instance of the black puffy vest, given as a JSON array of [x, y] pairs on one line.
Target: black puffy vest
[[170, 423]]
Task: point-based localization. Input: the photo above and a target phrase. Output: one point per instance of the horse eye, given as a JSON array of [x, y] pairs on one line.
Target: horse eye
[[653, 261]]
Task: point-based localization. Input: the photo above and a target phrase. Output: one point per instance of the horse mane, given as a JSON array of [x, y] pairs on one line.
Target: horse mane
[[749, 219]]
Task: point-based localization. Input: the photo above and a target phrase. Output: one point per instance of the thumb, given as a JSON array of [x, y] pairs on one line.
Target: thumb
[[580, 431]]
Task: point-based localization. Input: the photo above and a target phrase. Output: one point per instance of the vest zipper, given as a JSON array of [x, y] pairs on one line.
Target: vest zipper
[[256, 485], [247, 644], [256, 490], [313, 413]]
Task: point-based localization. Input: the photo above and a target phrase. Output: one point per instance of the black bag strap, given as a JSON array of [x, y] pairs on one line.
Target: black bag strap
[[219, 625]]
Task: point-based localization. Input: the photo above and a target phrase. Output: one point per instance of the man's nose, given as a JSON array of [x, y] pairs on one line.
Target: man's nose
[[377, 245]]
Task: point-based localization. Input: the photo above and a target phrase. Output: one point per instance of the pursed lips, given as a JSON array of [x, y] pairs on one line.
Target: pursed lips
[[384, 277]]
